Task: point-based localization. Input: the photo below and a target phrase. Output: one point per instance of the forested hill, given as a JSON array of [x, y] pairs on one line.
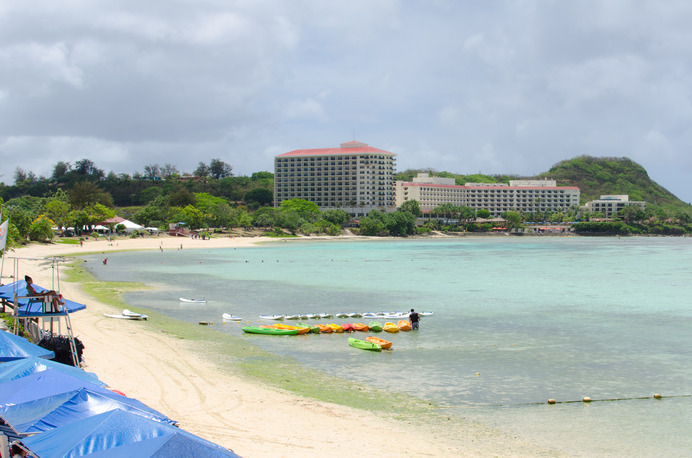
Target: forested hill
[[611, 175]]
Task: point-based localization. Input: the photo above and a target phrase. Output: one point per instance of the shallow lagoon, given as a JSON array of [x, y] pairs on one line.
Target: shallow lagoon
[[517, 321]]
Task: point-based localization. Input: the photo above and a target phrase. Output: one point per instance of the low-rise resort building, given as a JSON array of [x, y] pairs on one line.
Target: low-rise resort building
[[611, 204], [520, 195]]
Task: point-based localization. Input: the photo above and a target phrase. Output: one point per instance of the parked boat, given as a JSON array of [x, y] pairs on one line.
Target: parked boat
[[342, 315], [348, 327], [363, 344], [375, 326], [369, 315], [404, 325], [292, 317], [336, 328], [300, 329], [313, 316], [269, 330], [390, 327], [385, 344], [194, 301], [361, 327], [355, 315], [326, 315], [229, 317], [128, 315], [313, 327], [272, 317], [425, 313]]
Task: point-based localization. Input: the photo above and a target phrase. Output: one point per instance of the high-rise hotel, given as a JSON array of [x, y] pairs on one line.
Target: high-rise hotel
[[354, 177]]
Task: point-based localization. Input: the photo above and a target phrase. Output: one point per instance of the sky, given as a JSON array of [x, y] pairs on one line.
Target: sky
[[464, 86]]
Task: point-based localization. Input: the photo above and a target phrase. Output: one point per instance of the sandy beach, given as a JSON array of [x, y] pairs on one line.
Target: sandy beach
[[254, 421]]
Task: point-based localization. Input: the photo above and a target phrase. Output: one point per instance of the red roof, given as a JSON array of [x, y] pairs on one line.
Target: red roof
[[347, 148], [487, 188]]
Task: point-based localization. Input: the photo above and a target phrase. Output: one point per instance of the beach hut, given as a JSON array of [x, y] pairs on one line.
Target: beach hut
[[121, 434]]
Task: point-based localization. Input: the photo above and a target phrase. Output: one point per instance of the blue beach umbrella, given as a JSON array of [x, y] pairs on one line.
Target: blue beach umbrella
[[42, 385], [26, 366], [32, 307], [60, 409], [121, 434], [14, 347]]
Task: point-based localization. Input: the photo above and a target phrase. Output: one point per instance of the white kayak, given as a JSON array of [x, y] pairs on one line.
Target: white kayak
[[272, 317], [292, 317], [229, 317], [128, 315], [195, 301], [326, 315]]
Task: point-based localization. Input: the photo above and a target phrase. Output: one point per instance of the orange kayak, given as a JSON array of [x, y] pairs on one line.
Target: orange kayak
[[404, 325], [361, 327], [325, 328], [300, 329], [385, 344]]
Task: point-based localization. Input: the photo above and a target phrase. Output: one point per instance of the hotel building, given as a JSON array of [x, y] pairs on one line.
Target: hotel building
[[520, 195], [611, 204], [354, 177]]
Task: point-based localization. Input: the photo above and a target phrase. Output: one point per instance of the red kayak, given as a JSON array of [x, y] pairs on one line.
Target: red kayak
[[348, 327]]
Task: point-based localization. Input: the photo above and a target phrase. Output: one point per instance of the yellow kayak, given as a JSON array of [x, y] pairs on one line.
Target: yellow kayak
[[391, 327], [336, 327]]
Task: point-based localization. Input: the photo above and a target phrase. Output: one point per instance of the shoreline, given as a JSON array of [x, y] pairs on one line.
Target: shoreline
[[173, 375]]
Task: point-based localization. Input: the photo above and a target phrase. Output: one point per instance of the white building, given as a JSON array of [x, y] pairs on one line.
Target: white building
[[611, 204], [520, 195], [354, 177]]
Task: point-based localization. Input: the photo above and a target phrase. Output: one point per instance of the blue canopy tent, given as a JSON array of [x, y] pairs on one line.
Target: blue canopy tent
[[26, 366], [50, 412], [42, 385], [14, 347], [121, 434], [28, 307]]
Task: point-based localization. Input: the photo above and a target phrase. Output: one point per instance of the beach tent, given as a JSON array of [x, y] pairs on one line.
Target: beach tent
[[121, 434], [26, 366], [42, 385], [129, 225], [14, 347], [32, 308], [60, 409]]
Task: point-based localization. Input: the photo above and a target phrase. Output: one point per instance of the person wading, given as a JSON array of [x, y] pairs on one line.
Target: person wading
[[415, 318]]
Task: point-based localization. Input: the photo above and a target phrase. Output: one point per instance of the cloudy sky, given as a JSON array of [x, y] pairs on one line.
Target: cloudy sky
[[464, 86]]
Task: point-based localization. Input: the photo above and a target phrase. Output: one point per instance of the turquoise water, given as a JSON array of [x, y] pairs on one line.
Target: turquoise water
[[516, 321]]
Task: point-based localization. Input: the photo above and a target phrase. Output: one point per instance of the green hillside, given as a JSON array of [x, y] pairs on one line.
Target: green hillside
[[612, 175]]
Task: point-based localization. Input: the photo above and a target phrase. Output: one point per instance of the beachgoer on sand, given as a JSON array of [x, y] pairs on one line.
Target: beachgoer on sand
[[55, 298], [415, 318]]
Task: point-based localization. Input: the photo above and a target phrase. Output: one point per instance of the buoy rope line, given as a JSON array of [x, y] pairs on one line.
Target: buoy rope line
[[583, 400]]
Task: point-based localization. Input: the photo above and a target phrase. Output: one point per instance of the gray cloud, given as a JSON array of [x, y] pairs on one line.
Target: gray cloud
[[495, 87]]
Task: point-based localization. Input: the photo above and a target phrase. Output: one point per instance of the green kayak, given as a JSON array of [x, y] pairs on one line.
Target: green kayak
[[363, 344], [313, 328], [375, 326], [272, 331]]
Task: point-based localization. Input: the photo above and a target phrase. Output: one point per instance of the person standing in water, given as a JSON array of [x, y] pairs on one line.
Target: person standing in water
[[415, 318]]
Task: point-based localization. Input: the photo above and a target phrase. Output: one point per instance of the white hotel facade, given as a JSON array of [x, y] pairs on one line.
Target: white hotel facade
[[354, 177], [520, 195]]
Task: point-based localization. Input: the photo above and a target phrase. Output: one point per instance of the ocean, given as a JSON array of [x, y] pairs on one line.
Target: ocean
[[517, 321]]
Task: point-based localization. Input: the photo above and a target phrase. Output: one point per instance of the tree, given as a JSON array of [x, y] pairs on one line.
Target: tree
[[20, 175], [41, 229], [202, 170], [86, 193], [168, 170], [87, 167], [152, 170], [59, 212], [261, 196], [337, 217], [400, 223], [191, 216], [262, 176], [60, 170], [181, 198], [413, 207], [482, 213], [219, 169], [512, 218], [265, 217], [372, 224], [306, 209]]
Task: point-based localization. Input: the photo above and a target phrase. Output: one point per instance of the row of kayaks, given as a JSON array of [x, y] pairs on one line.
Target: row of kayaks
[[300, 328], [318, 316], [370, 343]]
